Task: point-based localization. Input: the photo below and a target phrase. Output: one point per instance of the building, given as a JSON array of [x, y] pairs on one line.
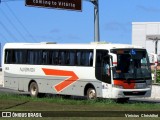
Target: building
[[147, 34]]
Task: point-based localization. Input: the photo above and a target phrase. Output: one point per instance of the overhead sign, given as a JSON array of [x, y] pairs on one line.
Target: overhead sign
[[59, 4]]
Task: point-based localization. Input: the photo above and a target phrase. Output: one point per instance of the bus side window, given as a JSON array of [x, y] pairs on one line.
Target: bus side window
[[8, 57], [30, 57], [84, 58], [72, 58], [19, 56], [91, 59], [66, 57], [54, 57], [87, 58], [59, 57], [78, 58]]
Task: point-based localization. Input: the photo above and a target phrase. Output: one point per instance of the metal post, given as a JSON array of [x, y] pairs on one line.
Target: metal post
[[155, 74], [156, 62], [96, 20], [156, 43]]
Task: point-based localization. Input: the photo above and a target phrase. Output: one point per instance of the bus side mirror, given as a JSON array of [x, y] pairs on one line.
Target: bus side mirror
[[113, 58]]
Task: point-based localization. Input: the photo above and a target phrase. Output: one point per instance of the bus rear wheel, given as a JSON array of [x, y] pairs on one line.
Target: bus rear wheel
[[33, 89], [91, 94]]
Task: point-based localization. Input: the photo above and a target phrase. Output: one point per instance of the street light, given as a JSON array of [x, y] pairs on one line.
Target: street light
[[96, 20]]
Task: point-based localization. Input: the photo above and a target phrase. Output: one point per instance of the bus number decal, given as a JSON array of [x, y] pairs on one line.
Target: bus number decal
[[72, 77]]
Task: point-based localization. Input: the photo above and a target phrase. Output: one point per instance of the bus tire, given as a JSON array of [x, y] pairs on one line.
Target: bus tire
[[33, 89], [91, 94]]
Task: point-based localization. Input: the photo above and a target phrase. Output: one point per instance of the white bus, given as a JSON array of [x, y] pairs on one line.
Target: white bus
[[91, 70]]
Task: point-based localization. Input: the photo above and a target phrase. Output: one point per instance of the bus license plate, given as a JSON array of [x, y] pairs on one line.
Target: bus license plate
[[140, 86]]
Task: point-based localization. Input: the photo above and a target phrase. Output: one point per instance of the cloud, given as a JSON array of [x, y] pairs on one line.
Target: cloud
[[148, 9]]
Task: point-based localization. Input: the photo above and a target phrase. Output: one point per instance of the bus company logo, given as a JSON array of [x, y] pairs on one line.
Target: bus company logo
[[21, 114], [6, 114], [62, 85]]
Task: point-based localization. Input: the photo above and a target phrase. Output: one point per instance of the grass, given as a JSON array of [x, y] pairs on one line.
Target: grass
[[22, 102], [14, 102], [158, 76]]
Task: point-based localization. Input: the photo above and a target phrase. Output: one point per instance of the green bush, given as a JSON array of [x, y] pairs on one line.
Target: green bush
[[158, 76]]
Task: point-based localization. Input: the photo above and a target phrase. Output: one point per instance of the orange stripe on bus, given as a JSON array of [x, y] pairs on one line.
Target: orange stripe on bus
[[125, 84], [114, 62], [62, 85]]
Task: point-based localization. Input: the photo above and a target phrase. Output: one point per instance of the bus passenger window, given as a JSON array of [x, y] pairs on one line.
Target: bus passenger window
[[30, 57], [91, 59], [62, 58], [72, 58], [84, 58], [55, 57], [8, 57], [45, 57], [78, 58]]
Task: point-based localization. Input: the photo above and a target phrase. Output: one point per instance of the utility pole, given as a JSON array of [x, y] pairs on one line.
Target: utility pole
[[156, 43], [156, 62], [96, 21]]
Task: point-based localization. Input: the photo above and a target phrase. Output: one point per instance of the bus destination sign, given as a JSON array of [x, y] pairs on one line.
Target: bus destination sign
[[59, 4]]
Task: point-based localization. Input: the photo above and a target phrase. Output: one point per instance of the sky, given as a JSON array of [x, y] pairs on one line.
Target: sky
[[20, 23]]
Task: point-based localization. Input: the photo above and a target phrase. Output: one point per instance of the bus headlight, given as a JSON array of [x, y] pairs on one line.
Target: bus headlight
[[148, 85], [118, 86]]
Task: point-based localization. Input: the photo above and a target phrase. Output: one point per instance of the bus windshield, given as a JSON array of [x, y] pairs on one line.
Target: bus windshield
[[132, 64]]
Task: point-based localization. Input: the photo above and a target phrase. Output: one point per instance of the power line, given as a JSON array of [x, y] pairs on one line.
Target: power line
[[26, 30], [4, 37], [13, 25], [9, 0], [8, 31]]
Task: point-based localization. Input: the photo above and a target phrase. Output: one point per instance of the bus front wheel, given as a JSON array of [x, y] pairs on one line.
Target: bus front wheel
[[91, 94], [33, 89]]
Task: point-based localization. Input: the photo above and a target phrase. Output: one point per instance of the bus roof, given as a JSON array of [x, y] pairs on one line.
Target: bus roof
[[68, 46]]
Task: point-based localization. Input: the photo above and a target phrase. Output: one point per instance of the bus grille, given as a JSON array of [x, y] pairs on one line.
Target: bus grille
[[134, 93]]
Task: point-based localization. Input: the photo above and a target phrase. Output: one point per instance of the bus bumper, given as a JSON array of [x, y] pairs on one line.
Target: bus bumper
[[127, 93]]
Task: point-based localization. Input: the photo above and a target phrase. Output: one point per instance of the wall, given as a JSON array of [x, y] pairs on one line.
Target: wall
[[139, 32]]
